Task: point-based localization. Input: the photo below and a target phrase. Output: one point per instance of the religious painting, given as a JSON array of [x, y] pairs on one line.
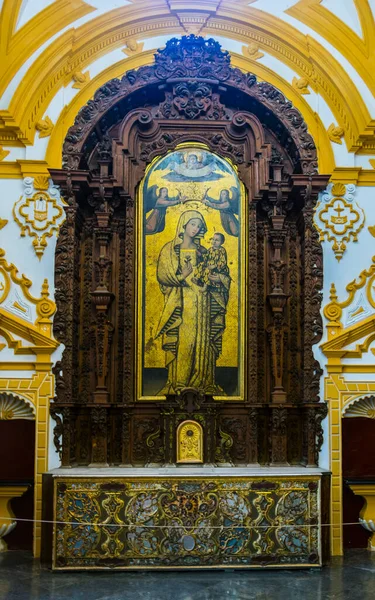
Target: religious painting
[[191, 287]]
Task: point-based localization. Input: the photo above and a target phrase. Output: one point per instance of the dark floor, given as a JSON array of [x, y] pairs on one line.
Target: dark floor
[[349, 578]]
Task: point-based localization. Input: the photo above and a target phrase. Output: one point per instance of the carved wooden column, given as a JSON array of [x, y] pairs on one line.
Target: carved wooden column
[[102, 298], [310, 186], [277, 297]]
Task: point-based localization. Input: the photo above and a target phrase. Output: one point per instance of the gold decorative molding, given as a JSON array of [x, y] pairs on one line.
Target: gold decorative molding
[[189, 442], [45, 307], [363, 407], [44, 126], [353, 175], [359, 51], [18, 45], [301, 85], [334, 309], [73, 52], [3, 222], [338, 218], [252, 51], [372, 162], [80, 79], [20, 169], [3, 153], [38, 213], [132, 47], [335, 133], [13, 407]]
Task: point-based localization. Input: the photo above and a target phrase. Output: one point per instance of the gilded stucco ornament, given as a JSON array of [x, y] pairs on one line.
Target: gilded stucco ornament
[[3, 153], [338, 217], [301, 85], [80, 79], [361, 407], [252, 51], [335, 133], [45, 127], [3, 222], [132, 47], [39, 211], [12, 407]]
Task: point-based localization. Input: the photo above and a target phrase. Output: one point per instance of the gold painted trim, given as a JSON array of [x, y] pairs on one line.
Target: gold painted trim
[[76, 49]]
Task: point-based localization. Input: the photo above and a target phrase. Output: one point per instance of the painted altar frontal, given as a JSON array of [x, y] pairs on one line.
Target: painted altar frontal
[[185, 518]]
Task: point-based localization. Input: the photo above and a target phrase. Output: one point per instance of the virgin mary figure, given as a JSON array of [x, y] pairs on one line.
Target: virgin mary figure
[[191, 337]]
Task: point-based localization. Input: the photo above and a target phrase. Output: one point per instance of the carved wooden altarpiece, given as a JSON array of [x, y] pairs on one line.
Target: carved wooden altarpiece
[[191, 94]]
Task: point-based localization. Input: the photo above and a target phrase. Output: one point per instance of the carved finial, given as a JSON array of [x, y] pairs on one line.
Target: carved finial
[[332, 293], [45, 289], [80, 79], [132, 47], [3, 153], [301, 85], [44, 126], [335, 133], [252, 51]]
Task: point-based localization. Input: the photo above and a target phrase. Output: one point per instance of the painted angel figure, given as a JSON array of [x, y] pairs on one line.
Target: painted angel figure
[[227, 204], [192, 166], [157, 201]]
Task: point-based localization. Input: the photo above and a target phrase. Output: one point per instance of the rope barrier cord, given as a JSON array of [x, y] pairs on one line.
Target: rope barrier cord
[[140, 525]]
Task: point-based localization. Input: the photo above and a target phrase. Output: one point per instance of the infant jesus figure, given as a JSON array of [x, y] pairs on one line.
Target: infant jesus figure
[[213, 271]]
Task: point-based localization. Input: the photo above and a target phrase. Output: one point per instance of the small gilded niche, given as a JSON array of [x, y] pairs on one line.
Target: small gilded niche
[[189, 442]]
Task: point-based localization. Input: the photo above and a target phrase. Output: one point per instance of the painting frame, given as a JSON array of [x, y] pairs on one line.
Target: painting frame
[[141, 275]]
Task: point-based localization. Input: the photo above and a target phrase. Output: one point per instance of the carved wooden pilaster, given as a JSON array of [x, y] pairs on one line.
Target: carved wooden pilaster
[[67, 455], [313, 283], [129, 324], [253, 437], [279, 438], [277, 298], [252, 391], [98, 436], [64, 325], [125, 439], [101, 298]]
